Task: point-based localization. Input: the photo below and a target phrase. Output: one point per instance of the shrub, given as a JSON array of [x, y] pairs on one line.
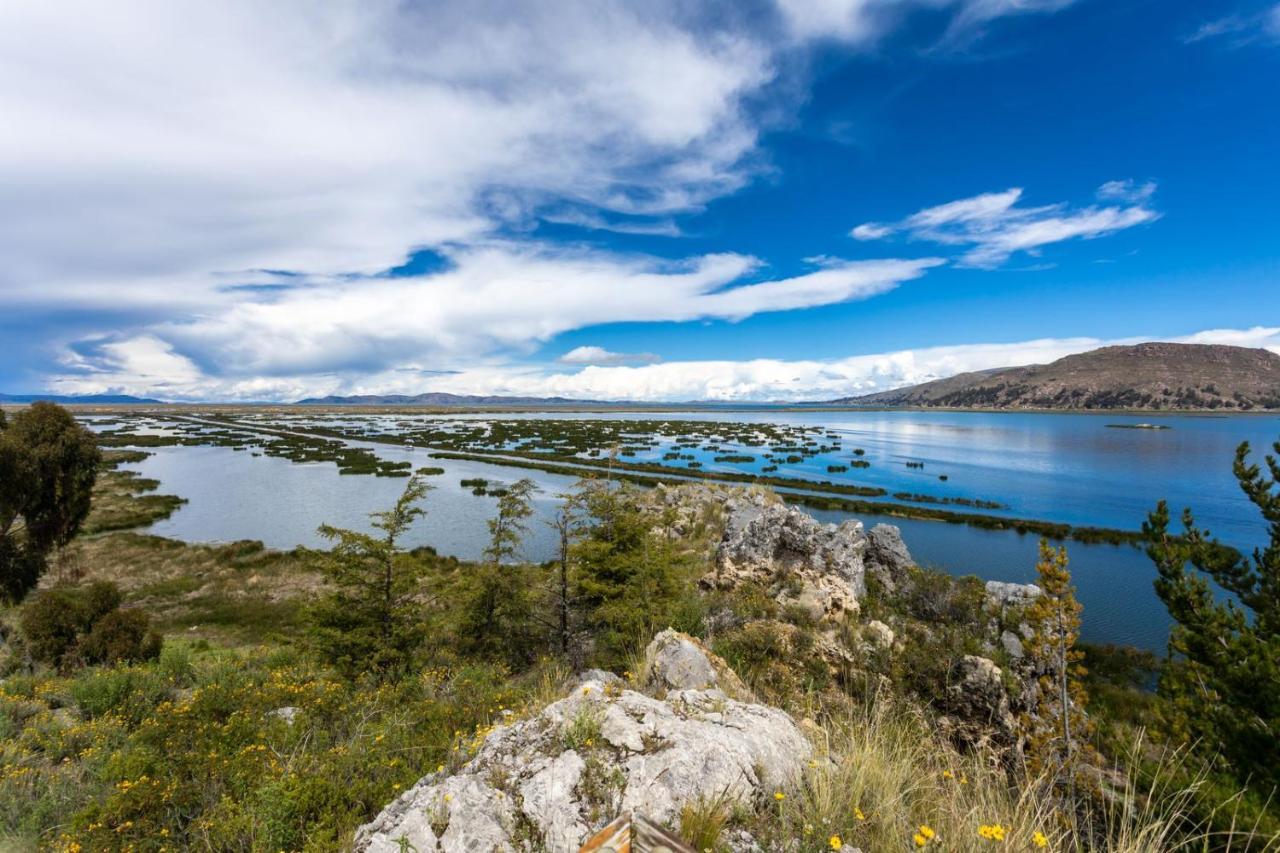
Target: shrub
[[56, 619], [122, 636]]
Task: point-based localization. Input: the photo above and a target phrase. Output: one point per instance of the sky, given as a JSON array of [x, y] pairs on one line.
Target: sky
[[750, 200]]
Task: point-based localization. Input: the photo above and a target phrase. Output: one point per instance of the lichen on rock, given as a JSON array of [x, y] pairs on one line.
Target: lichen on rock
[[548, 781]]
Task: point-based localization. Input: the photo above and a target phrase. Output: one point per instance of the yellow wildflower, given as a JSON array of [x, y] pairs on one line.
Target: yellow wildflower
[[1039, 839], [779, 796], [919, 839], [927, 832], [857, 813], [834, 842], [991, 832], [947, 774]]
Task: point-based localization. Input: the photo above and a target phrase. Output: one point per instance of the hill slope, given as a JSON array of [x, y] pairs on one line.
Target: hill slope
[[1153, 376]]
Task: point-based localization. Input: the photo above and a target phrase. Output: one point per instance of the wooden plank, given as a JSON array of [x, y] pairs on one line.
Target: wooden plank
[[634, 834]]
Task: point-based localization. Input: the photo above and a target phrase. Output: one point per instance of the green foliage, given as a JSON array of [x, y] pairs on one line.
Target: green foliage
[[371, 618], [121, 636], [632, 579], [1222, 682], [498, 599], [148, 757], [48, 464], [1056, 727], [56, 621]]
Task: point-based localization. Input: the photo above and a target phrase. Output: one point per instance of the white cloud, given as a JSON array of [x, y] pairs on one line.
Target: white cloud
[[249, 170], [498, 297], [862, 21], [1129, 191], [757, 379], [600, 355], [871, 231], [1242, 29], [995, 228]]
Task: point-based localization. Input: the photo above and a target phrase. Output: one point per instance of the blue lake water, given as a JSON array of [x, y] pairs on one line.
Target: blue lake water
[[1057, 467]]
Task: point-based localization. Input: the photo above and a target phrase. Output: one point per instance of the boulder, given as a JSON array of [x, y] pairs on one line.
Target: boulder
[[880, 634], [977, 698], [549, 781], [676, 661], [1003, 594], [887, 557], [800, 561]]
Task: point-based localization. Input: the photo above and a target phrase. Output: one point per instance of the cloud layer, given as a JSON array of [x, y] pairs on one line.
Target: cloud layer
[[994, 227], [215, 192], [143, 366]]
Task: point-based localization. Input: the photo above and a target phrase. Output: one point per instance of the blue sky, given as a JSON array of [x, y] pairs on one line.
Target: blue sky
[[613, 200]]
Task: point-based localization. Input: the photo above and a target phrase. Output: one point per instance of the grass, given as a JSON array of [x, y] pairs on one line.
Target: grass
[[188, 752], [230, 594], [882, 775], [120, 497]]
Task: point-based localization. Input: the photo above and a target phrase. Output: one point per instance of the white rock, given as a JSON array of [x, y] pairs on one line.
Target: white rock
[[650, 755]]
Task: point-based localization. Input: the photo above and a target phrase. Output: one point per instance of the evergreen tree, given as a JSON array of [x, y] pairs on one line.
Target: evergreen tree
[[631, 579], [1056, 728], [1222, 680], [560, 589], [371, 619], [48, 465], [498, 614]]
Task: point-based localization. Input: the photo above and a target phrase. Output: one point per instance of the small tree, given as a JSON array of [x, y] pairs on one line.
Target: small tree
[[1056, 727], [1222, 680], [631, 579], [371, 620], [498, 613], [563, 602], [48, 465]]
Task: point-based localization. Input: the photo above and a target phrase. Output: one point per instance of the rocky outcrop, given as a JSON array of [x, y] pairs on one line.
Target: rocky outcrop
[[676, 661], [887, 557], [548, 781], [978, 703], [797, 559]]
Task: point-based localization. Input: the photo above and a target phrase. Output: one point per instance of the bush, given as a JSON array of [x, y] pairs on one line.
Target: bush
[[122, 636], [57, 622]]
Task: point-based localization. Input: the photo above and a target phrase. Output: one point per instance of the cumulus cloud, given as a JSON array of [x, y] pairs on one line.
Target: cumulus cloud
[[497, 297], [600, 355], [251, 171], [995, 228], [749, 380]]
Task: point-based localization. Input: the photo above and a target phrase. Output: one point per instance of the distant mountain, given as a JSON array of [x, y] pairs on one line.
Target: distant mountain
[[85, 398], [439, 399], [1149, 376]]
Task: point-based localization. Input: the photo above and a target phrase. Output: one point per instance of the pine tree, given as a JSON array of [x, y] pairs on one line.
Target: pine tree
[[631, 580], [1222, 681], [1056, 727], [371, 620], [560, 586], [498, 613]]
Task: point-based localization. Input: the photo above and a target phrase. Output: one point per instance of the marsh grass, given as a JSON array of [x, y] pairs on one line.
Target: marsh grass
[[881, 772]]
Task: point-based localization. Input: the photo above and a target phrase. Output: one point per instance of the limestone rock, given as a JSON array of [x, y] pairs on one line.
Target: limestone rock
[[1012, 645], [288, 713], [978, 698], [817, 567], [548, 781], [676, 661], [880, 634], [1003, 594], [887, 557]]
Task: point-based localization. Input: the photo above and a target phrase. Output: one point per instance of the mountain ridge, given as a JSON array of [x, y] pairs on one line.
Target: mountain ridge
[[1150, 376]]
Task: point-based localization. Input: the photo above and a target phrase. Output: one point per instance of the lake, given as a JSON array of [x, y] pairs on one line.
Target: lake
[[1070, 468]]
